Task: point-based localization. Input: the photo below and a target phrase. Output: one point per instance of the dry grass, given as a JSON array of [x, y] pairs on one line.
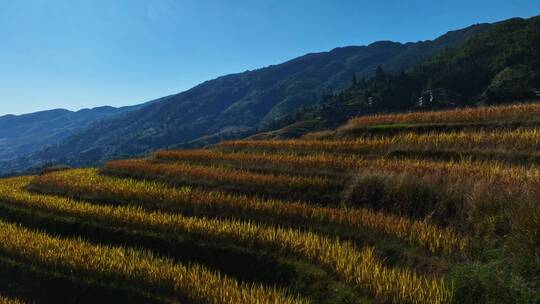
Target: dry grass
[[505, 113], [357, 266], [88, 184], [477, 197]]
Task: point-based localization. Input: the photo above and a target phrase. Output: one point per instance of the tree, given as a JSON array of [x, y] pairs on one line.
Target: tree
[[380, 75]]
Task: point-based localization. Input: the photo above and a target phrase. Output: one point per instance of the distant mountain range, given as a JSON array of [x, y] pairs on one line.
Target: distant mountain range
[[24, 134], [21, 135], [231, 106]]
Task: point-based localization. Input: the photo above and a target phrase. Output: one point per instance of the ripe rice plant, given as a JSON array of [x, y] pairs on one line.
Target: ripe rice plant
[[509, 141], [357, 266], [33, 282], [302, 146], [505, 113], [6, 300], [250, 160], [477, 170], [194, 283], [307, 188], [90, 185], [345, 163]]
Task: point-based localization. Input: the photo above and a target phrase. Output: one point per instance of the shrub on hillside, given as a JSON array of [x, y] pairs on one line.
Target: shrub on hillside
[[51, 169], [399, 193]]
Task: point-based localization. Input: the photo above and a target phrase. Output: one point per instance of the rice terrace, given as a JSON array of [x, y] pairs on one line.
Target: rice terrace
[[341, 217], [270, 152]]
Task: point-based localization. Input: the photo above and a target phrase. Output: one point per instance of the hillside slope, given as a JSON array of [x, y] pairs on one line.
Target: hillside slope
[[497, 66], [239, 104]]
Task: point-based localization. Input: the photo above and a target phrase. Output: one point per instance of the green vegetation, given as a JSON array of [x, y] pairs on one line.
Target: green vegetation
[[497, 66]]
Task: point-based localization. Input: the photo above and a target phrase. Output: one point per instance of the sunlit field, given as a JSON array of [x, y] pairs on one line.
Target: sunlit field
[[517, 113], [318, 220]]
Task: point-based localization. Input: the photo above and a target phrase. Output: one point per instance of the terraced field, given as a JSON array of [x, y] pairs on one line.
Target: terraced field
[[417, 216]]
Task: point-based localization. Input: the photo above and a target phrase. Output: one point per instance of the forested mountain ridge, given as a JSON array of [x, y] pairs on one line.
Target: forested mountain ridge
[[497, 66]]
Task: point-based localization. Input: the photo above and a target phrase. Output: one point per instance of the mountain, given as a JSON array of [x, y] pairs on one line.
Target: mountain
[[499, 65], [24, 134], [236, 105]]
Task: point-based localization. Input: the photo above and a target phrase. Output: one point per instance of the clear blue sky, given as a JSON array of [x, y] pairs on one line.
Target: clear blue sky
[[81, 53]]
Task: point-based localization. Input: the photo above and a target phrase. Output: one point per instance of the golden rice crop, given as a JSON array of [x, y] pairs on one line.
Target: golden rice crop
[[512, 113], [6, 300], [334, 147], [519, 140], [89, 184], [259, 159], [509, 175], [357, 266], [189, 173], [509, 140], [195, 283]]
